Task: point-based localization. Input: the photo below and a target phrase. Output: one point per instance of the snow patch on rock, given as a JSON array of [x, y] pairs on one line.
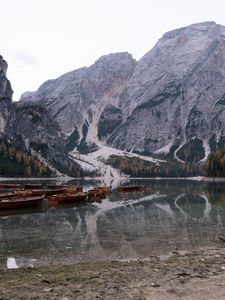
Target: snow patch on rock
[[165, 149], [206, 149], [97, 160]]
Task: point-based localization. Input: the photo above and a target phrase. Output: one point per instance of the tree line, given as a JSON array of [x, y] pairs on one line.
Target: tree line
[[137, 167], [215, 164], [20, 163]]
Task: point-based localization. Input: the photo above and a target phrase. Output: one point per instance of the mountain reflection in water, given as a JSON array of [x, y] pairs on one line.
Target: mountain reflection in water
[[169, 215]]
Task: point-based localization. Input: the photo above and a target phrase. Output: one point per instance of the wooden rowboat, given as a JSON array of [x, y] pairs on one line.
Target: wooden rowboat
[[68, 197], [20, 202], [74, 188], [10, 186], [31, 186], [47, 192], [19, 193], [7, 195]]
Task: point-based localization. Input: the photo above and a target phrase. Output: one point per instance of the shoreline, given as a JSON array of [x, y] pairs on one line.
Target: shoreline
[[190, 276], [67, 178]]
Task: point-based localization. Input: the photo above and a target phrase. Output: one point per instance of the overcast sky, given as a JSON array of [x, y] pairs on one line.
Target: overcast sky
[[42, 39]]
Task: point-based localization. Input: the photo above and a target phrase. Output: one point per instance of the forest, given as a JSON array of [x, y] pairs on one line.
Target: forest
[[137, 167], [215, 164], [20, 163]]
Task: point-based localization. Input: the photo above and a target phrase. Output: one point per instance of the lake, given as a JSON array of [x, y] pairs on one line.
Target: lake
[[169, 215]]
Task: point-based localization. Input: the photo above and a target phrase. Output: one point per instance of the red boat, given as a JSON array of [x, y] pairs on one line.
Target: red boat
[[19, 193], [31, 186], [7, 195], [69, 188], [68, 197], [48, 192], [10, 186], [20, 202]]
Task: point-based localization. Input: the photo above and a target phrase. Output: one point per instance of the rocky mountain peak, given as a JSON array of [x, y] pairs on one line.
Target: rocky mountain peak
[[169, 103], [3, 65], [5, 86], [115, 63], [173, 95], [78, 98], [5, 96]]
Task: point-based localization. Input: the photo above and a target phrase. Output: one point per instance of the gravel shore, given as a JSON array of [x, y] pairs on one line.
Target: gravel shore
[[193, 276]]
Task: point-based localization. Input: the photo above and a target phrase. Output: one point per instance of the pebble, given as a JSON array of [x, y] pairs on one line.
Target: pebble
[[154, 284], [30, 267], [47, 290], [46, 281]]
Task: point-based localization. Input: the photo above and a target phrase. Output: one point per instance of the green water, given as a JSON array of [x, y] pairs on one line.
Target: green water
[[170, 215]]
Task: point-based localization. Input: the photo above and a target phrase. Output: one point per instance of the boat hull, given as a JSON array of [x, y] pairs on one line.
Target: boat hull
[[47, 192], [68, 198], [21, 202]]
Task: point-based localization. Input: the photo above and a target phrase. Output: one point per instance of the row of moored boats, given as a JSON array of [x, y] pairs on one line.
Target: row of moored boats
[[29, 195]]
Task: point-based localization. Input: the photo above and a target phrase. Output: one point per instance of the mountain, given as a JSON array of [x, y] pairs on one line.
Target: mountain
[[77, 99], [175, 98], [30, 138], [170, 104], [5, 96]]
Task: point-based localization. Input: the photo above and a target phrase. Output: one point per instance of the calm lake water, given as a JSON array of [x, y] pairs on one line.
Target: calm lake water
[[170, 215]]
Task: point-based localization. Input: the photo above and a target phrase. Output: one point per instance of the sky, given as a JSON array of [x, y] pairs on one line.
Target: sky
[[43, 39]]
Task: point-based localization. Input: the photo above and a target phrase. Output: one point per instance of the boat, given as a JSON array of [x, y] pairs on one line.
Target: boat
[[10, 186], [104, 189], [68, 197], [10, 203], [96, 195], [7, 195], [69, 188], [74, 188], [30, 186], [7, 190], [131, 188], [54, 186], [47, 192], [95, 198], [17, 193]]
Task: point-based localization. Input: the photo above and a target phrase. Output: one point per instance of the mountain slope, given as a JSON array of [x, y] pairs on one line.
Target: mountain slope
[[176, 95], [30, 139], [170, 104], [77, 99], [5, 96]]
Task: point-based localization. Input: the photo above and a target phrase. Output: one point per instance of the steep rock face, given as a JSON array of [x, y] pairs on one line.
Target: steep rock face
[[110, 119], [171, 103], [5, 96], [176, 95], [78, 99], [30, 127], [34, 126]]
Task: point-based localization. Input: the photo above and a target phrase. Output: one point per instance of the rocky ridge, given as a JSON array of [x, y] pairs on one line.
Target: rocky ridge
[[175, 97], [5, 96], [169, 104], [30, 127]]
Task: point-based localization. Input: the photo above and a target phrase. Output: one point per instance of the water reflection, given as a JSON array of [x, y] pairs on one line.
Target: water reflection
[[169, 215]]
